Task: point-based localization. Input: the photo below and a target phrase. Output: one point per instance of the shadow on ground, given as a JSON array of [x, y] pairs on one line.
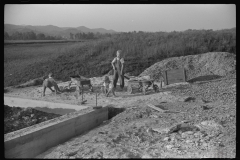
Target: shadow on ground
[[204, 78], [113, 111], [162, 107], [71, 89]]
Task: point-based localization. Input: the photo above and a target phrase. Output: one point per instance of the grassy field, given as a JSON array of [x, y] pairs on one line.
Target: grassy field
[[23, 62]]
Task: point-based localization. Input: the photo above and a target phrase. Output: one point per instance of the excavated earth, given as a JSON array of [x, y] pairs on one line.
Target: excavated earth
[[206, 65], [196, 120], [203, 127]]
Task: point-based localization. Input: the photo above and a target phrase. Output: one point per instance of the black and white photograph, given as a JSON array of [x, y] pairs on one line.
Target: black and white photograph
[[119, 81]]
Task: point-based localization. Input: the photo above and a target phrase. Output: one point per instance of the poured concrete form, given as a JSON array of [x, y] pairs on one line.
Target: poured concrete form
[[34, 140]]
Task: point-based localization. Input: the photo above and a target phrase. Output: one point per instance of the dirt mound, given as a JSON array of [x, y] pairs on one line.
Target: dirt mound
[[33, 82], [212, 63]]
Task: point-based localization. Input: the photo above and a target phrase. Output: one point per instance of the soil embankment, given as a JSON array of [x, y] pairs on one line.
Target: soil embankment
[[205, 66]]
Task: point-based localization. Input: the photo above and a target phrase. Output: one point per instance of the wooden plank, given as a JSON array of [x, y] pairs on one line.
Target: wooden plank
[[163, 111], [173, 81], [156, 108], [175, 76], [175, 71]]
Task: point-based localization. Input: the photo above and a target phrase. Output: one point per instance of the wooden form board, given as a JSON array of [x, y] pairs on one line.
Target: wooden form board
[[174, 76]]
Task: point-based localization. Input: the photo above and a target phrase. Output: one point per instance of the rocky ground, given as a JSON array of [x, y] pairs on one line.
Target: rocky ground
[[204, 126]]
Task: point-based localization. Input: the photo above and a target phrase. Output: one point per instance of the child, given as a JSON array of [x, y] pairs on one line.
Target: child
[[108, 86]]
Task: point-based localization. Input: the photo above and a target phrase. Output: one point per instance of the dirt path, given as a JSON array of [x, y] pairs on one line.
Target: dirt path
[[69, 96]]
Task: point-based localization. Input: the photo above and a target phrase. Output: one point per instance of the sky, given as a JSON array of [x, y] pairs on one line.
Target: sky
[[124, 17]]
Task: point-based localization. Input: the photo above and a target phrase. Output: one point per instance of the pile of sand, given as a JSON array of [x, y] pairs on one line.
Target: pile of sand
[[212, 63]]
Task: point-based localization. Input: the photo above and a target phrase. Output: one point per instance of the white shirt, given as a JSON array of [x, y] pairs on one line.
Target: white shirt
[[107, 85]]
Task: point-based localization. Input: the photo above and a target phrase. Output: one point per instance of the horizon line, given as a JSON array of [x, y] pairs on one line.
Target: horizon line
[[118, 31]]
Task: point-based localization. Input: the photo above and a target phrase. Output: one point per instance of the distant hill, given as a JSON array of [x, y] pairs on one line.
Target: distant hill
[[53, 30], [100, 30]]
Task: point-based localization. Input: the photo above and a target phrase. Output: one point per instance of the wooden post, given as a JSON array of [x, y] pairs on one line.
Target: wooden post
[[82, 94], [96, 99], [184, 74], [166, 79]]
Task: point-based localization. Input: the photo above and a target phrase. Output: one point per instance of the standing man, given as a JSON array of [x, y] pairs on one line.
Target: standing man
[[118, 66]]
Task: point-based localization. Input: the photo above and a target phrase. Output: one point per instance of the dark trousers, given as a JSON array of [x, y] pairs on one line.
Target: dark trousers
[[116, 75]]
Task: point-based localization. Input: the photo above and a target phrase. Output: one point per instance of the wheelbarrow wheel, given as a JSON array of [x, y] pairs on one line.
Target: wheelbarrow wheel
[[129, 89], [155, 88]]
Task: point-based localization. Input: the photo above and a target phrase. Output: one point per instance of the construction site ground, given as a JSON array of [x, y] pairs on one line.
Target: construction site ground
[[196, 120]]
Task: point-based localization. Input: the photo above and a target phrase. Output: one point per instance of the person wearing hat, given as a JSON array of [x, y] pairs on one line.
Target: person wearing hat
[[50, 82]]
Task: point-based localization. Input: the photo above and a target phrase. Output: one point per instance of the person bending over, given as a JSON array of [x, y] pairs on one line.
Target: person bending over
[[50, 82]]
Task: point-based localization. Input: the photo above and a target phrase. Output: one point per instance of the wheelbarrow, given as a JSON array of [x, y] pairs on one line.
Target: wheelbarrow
[[80, 81], [142, 85]]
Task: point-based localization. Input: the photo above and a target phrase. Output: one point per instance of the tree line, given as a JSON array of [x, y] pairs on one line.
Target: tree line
[[142, 49], [40, 36], [29, 36], [89, 35]]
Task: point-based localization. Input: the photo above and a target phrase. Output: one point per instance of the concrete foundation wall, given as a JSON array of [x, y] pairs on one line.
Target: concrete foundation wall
[[37, 142]]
